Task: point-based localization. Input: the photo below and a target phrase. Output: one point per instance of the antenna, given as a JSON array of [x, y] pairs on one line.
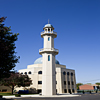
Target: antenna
[[48, 21]]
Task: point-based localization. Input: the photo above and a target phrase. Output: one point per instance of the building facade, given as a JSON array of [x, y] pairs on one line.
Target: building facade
[[47, 74], [89, 87]]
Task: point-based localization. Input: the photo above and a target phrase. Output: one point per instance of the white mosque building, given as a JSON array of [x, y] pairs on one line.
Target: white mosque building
[[47, 74]]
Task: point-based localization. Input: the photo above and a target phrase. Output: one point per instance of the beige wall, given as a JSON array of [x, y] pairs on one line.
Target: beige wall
[[5, 89], [60, 77]]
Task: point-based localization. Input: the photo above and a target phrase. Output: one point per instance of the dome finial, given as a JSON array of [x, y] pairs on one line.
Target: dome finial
[[48, 21]]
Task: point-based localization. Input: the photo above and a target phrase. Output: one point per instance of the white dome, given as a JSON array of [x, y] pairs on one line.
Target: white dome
[[48, 25], [40, 60]]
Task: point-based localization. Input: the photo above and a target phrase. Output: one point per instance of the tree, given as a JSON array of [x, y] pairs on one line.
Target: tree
[[17, 80], [78, 84], [89, 83], [97, 83], [8, 59]]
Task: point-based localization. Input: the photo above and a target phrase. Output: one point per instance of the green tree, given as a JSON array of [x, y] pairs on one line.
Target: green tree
[[89, 83], [97, 83], [17, 80], [8, 59], [78, 84]]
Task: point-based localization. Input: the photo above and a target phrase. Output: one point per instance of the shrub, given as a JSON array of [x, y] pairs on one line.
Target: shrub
[[17, 95], [83, 92], [0, 96]]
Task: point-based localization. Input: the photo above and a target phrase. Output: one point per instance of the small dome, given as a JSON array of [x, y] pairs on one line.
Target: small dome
[[39, 61], [48, 25], [57, 62]]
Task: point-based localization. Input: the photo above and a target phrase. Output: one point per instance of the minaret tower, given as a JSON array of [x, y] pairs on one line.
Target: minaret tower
[[48, 67]]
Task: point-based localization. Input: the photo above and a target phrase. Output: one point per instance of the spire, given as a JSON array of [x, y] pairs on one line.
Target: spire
[[48, 21]]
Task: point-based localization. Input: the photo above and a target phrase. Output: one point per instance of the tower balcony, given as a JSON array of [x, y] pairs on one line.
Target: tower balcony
[[49, 33], [43, 50]]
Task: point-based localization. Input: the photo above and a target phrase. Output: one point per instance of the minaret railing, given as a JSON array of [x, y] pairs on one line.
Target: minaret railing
[[48, 49], [48, 32]]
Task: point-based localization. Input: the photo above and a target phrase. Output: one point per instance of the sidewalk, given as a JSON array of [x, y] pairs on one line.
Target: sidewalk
[[39, 96]]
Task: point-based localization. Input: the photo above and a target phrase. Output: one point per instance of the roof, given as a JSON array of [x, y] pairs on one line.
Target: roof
[[86, 87], [40, 60], [48, 25]]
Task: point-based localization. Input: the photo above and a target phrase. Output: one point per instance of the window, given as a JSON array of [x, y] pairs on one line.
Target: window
[[48, 57], [64, 73], [73, 90], [69, 90], [65, 90], [64, 82], [45, 29], [39, 82], [56, 90], [68, 82], [29, 72], [25, 72], [39, 90], [72, 83], [48, 38], [4, 90], [55, 72], [56, 82], [67, 73], [21, 72], [48, 29], [40, 72], [71, 74]]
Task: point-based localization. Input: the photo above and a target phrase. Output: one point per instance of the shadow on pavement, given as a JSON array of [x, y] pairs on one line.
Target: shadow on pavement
[[64, 94], [5, 99]]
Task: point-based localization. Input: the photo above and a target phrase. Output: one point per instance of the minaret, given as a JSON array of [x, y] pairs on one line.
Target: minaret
[[48, 66]]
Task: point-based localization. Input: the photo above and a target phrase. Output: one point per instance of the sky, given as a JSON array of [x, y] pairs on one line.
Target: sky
[[77, 23]]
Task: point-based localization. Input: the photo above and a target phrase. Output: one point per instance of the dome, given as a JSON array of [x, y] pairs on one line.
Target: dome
[[48, 25], [39, 61]]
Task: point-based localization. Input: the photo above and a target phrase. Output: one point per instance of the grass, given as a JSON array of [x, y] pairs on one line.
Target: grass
[[9, 94], [6, 94]]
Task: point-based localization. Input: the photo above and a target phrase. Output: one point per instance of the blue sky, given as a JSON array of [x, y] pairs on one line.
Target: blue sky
[[77, 23]]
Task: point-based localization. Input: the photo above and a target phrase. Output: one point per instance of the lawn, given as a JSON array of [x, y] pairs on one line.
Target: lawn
[[9, 94], [6, 94]]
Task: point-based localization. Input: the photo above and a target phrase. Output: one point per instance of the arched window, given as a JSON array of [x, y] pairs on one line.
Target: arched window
[[73, 90], [71, 74], [29, 72], [72, 83], [67, 73], [68, 82], [21, 72], [48, 29], [25, 73], [64, 82], [65, 90], [40, 72], [64, 73]]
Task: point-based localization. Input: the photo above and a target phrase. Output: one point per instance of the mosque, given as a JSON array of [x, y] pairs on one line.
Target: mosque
[[47, 74]]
